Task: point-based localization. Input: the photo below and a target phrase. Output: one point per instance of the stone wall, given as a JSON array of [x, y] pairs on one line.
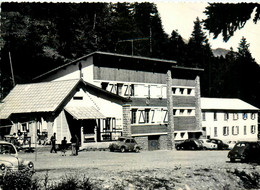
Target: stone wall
[[126, 120], [142, 142], [163, 142]]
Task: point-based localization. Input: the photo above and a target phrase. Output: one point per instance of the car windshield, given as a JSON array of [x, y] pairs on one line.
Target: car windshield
[[7, 149], [121, 139], [240, 144]]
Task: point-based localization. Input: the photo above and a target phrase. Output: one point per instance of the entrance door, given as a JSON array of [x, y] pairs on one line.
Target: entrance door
[[153, 142]]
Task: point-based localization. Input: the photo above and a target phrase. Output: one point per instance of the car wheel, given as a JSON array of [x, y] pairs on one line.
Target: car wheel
[[192, 148], [112, 150], [177, 148], [232, 160], [122, 149], [137, 150], [204, 148]]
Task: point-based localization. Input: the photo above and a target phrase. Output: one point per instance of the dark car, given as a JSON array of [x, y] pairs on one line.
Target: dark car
[[245, 152], [124, 144], [190, 144], [221, 145]]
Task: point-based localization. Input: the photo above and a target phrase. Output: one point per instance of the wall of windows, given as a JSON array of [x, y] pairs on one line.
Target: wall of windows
[[152, 115], [144, 90]]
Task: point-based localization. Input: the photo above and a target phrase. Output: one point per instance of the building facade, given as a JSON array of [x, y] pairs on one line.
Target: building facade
[[229, 119], [143, 81]]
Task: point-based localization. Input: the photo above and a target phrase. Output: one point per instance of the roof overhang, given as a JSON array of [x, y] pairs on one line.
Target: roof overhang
[[82, 112]]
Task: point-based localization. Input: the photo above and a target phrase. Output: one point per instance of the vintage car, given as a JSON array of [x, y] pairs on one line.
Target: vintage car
[[207, 145], [189, 144], [124, 144], [220, 144], [245, 152], [10, 161], [231, 144]]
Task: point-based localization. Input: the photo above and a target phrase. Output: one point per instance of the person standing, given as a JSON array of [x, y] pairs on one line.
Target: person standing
[[63, 146], [53, 143], [73, 141]]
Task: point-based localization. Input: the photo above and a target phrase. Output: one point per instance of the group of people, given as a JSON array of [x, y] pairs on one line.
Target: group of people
[[74, 145]]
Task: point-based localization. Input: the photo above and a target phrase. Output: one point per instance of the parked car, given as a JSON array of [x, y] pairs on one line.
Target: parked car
[[245, 152], [10, 161], [220, 144], [207, 145], [124, 144], [231, 144], [189, 144]]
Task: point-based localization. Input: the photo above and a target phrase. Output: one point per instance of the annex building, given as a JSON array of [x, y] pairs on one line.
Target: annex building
[[229, 119]]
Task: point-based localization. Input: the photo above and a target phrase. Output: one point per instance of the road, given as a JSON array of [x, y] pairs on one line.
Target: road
[[197, 169]]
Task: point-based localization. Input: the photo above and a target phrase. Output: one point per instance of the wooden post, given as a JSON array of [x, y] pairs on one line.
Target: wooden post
[[35, 143], [170, 127]]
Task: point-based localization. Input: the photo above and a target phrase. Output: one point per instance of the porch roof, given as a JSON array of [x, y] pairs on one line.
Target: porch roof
[[82, 112], [36, 97]]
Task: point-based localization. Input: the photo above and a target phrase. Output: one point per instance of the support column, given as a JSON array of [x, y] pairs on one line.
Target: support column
[[170, 127], [126, 120], [198, 104]]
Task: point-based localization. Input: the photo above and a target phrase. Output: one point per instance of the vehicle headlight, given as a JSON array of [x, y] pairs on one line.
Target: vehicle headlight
[[30, 165], [2, 167]]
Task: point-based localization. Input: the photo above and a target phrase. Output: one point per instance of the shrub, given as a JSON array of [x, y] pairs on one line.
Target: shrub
[[18, 180]]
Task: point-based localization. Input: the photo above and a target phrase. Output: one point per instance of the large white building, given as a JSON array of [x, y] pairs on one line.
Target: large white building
[[229, 119]]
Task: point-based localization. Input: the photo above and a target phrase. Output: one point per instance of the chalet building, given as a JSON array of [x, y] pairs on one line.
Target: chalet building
[[141, 80], [65, 107], [229, 119]]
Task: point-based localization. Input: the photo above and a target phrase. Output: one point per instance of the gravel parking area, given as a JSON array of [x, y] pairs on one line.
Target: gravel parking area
[[149, 169]]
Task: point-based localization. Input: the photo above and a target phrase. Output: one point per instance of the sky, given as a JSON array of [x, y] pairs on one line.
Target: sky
[[181, 16]]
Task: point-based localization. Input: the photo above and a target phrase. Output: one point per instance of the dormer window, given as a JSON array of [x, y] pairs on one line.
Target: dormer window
[[77, 98]]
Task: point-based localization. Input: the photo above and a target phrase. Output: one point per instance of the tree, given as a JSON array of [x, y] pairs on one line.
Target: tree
[[227, 18], [177, 48], [199, 50]]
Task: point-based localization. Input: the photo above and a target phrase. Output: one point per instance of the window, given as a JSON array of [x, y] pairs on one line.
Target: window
[[189, 91], [225, 131], [104, 85], [226, 116], [147, 118], [245, 116], [119, 89], [165, 118], [253, 129], [215, 116], [235, 130], [174, 111], [244, 130], [189, 111], [235, 116], [181, 111], [133, 116], [77, 98], [215, 131], [182, 135], [173, 90], [182, 90], [252, 116], [203, 116], [130, 90]]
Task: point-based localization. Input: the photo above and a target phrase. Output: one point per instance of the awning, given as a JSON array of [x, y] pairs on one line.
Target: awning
[[82, 112]]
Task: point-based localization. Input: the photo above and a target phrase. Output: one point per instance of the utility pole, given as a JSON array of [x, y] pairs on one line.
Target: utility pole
[[132, 42], [11, 65]]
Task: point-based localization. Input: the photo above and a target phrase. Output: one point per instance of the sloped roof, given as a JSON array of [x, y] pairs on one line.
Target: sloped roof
[[225, 104], [171, 63], [82, 112], [36, 97]]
